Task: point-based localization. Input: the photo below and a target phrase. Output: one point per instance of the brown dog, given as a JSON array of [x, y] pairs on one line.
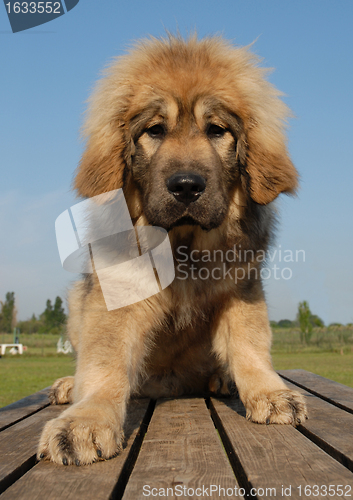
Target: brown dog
[[193, 133]]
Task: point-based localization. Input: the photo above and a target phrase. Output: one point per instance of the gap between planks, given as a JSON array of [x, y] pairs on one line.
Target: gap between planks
[[25, 407], [181, 450], [276, 456], [333, 392], [328, 426], [22, 477]]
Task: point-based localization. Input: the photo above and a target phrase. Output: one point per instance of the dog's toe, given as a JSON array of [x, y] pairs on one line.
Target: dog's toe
[[61, 391], [76, 440], [278, 407]]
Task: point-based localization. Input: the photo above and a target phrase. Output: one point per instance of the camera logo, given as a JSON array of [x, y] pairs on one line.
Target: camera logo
[[132, 263], [26, 15]]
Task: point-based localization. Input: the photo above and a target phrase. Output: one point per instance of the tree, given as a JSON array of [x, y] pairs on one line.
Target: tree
[[1, 316], [48, 315], [285, 323], [306, 327], [316, 321], [29, 326], [53, 317], [8, 312], [58, 316]]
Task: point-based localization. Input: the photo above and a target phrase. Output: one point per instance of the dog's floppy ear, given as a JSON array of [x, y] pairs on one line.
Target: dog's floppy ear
[[109, 145], [262, 151], [269, 168], [101, 168]]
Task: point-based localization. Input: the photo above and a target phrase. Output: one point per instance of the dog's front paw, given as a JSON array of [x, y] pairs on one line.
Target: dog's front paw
[[61, 391], [278, 407], [80, 437]]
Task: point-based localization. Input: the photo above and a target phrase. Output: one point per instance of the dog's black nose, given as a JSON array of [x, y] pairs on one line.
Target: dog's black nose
[[185, 187]]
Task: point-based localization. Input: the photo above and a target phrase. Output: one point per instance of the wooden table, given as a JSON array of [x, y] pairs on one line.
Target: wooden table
[[193, 448]]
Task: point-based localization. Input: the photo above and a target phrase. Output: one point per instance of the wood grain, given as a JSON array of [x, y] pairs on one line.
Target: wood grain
[[273, 456], [329, 427], [181, 449], [15, 412], [338, 394], [49, 480], [18, 445]]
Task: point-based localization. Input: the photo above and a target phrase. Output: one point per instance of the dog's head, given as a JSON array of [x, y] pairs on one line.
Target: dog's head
[[181, 124]]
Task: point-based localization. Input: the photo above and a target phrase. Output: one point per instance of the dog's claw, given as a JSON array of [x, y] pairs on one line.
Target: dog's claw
[[77, 462], [65, 462], [99, 453]]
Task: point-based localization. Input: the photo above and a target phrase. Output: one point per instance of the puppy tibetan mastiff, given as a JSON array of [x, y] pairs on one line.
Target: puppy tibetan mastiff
[[193, 133]]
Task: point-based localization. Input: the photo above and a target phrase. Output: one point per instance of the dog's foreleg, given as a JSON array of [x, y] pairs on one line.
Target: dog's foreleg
[[242, 341]]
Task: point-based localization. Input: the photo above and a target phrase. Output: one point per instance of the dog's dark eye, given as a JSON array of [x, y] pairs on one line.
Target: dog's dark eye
[[215, 131], [156, 132]]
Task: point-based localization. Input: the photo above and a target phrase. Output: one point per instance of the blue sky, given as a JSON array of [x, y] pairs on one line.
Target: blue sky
[[47, 74]]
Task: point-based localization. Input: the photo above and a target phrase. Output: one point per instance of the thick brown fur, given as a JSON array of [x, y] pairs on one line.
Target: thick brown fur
[[173, 106]]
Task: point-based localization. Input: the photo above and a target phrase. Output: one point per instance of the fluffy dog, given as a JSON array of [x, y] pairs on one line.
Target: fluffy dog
[[194, 134]]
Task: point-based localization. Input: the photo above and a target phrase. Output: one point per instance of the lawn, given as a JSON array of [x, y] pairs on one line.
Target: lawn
[[23, 375], [36, 344], [329, 353], [327, 364]]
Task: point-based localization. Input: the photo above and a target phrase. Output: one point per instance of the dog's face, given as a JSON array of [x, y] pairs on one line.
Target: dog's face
[[181, 125], [186, 161]]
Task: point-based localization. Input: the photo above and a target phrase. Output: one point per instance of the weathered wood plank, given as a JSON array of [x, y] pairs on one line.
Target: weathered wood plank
[[327, 389], [181, 450], [276, 456], [48, 480], [15, 412], [329, 427], [18, 445]]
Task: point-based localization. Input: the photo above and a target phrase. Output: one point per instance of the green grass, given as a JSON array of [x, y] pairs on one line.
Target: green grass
[[37, 344], [337, 339], [331, 365], [329, 353], [23, 375]]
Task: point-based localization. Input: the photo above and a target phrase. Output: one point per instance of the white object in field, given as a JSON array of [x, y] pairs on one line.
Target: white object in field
[[64, 347], [16, 348]]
